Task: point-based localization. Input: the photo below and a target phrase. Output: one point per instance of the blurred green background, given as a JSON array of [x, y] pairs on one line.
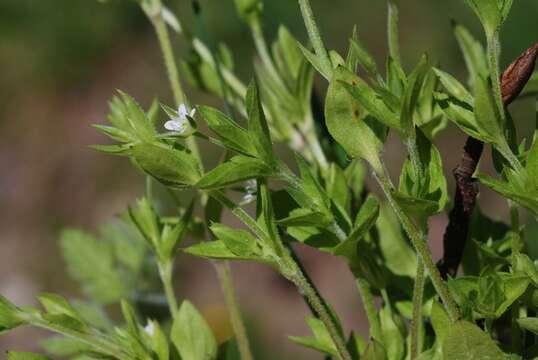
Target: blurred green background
[[62, 60]]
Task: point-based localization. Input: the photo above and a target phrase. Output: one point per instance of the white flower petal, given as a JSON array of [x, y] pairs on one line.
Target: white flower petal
[[174, 125], [193, 112], [182, 111], [149, 328]]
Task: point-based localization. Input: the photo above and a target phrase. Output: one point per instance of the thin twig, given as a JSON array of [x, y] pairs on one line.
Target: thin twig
[[513, 81]]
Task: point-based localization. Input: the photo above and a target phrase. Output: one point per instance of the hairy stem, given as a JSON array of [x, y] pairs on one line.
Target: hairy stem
[[367, 298], [165, 273], [493, 62], [421, 247], [223, 272], [298, 278], [315, 36], [392, 31], [416, 321], [155, 15]]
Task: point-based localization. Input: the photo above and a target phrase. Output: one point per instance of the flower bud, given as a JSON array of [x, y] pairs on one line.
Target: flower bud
[[516, 76], [249, 8]]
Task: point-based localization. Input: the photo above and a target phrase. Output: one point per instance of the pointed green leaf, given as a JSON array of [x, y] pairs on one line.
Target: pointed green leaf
[[172, 167], [257, 125], [240, 242], [9, 318], [192, 336], [237, 169], [465, 341], [232, 135], [349, 123]]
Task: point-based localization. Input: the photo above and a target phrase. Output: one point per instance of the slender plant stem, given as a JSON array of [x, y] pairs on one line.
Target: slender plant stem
[[315, 36], [493, 62], [166, 272], [392, 31], [298, 278], [515, 330], [223, 271], [421, 248], [155, 15], [262, 48], [367, 298], [416, 321]]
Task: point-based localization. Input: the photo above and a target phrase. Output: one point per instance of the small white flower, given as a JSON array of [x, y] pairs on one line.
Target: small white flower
[[250, 191], [180, 124], [149, 328]]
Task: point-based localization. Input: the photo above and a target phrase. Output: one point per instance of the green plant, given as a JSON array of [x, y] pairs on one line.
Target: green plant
[[488, 313]]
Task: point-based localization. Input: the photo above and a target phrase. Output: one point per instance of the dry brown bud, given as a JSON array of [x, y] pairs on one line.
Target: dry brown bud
[[516, 76]]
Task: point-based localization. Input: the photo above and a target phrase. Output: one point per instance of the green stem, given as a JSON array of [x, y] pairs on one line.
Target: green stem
[[154, 13], [298, 278], [165, 273], [315, 37], [416, 321], [223, 272], [421, 248], [262, 48], [392, 31], [493, 62], [515, 331], [314, 145], [367, 298]]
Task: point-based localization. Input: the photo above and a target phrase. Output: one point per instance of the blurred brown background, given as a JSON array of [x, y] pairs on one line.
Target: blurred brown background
[[62, 60]]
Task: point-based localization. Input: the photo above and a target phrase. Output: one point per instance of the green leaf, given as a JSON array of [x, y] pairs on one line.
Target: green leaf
[[237, 169], [529, 323], [316, 62], [146, 221], [487, 118], [312, 188], [462, 115], [16, 355], [159, 342], [466, 341], [490, 295], [374, 351], [172, 167], [454, 87], [337, 188], [366, 218], [428, 188], [218, 250], [473, 53], [517, 187], [363, 58], [373, 103], [63, 346], [240, 242], [257, 125], [232, 135], [9, 318], [192, 336], [305, 217], [440, 321], [92, 263], [411, 94], [392, 337], [400, 257], [490, 13], [524, 265], [321, 341], [348, 122], [137, 118]]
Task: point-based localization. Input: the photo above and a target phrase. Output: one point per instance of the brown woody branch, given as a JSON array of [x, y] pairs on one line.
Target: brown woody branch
[[513, 80]]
